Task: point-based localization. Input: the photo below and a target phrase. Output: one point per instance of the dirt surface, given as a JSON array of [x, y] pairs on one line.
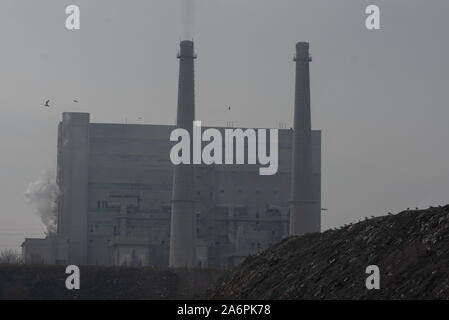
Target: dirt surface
[[48, 282], [410, 248]]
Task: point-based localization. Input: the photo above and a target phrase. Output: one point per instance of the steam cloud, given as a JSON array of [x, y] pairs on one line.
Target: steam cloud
[[188, 18], [43, 194]]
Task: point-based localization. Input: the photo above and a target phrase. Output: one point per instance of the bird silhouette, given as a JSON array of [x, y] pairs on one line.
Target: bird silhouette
[[76, 101], [47, 103]]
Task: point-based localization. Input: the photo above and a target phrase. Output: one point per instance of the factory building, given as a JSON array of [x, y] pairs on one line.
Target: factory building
[[116, 199], [123, 202]]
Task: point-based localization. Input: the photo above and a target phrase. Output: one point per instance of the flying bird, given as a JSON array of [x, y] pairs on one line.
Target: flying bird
[[76, 101], [47, 103]]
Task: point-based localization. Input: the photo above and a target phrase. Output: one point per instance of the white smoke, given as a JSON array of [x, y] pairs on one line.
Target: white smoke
[[188, 10], [43, 194]]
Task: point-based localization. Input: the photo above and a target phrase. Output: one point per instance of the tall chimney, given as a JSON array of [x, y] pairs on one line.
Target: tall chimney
[[302, 214], [183, 229]]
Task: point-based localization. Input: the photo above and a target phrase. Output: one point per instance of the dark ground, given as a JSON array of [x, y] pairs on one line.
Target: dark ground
[[48, 282], [410, 248]]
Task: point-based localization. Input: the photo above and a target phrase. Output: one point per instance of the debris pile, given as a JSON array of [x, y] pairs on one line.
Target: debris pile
[[411, 250]]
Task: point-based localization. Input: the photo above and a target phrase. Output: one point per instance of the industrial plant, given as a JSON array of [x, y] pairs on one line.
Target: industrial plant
[[123, 203]]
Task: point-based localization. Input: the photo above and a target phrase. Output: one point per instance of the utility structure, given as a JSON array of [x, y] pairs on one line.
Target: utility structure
[[116, 193], [303, 216], [183, 229]]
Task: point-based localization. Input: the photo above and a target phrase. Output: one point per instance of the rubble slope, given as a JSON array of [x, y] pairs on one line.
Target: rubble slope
[[410, 248]]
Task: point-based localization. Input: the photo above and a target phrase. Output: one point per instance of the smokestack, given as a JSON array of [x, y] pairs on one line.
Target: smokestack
[[303, 218], [183, 229]]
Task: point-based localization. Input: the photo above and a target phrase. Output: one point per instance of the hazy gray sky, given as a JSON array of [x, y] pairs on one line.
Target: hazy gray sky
[[381, 98]]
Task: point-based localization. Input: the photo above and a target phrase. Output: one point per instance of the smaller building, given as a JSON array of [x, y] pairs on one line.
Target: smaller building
[[50, 250]]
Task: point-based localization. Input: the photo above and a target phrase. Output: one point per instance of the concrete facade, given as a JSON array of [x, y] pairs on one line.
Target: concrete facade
[[115, 206], [72, 178]]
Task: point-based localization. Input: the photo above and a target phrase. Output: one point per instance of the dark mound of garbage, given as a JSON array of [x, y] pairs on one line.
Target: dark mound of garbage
[[411, 250]]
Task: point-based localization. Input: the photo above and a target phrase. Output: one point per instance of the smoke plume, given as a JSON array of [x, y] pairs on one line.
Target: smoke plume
[[43, 194], [188, 10]]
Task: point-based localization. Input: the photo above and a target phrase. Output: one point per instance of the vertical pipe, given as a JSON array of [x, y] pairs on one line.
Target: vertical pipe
[[183, 229], [302, 213]]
